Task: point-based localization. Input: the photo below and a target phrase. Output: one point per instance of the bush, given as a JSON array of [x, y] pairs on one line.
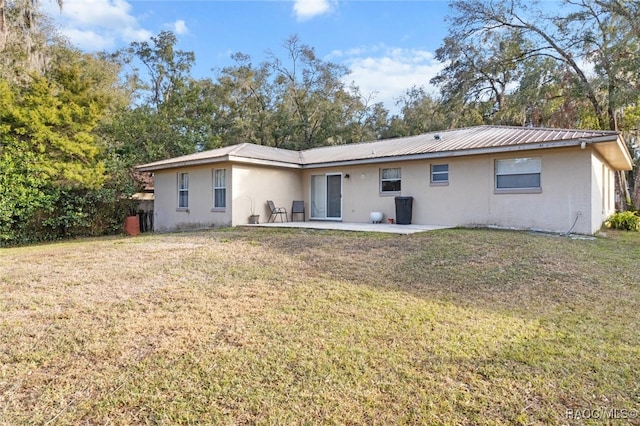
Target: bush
[[57, 214], [628, 221]]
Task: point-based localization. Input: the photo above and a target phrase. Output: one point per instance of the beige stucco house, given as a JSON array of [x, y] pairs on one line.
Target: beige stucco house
[[513, 177]]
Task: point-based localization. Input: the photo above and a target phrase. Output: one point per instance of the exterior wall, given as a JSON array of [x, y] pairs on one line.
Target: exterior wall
[[257, 184], [602, 191], [200, 213], [577, 193], [470, 198], [563, 205], [245, 184]]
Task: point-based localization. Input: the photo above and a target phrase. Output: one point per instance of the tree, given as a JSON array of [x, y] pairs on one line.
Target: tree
[[18, 28], [166, 70], [310, 95], [296, 102], [377, 123], [592, 44], [582, 33], [422, 113], [631, 125], [170, 115], [244, 109], [50, 158], [479, 74]]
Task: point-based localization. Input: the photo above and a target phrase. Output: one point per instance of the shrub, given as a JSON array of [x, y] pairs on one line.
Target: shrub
[[628, 221]]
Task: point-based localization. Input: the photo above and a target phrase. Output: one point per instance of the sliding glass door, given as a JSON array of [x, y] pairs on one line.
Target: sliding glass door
[[326, 196]]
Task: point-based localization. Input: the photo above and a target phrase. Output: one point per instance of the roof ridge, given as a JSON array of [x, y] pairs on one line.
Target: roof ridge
[[237, 148]]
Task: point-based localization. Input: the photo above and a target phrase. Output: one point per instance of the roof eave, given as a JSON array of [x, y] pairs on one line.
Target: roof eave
[[610, 147], [152, 167], [615, 153], [261, 162], [222, 159]]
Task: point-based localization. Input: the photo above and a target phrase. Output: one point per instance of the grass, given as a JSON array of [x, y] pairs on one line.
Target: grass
[[304, 327]]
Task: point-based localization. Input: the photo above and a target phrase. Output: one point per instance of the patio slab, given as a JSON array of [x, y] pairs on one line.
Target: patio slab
[[352, 226]]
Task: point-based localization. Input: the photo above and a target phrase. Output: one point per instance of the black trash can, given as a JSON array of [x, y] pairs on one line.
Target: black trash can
[[404, 210]]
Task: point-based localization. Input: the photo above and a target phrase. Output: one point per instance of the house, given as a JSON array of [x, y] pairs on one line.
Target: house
[[513, 177]]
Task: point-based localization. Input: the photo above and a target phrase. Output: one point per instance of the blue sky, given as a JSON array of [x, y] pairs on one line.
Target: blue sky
[[387, 45]]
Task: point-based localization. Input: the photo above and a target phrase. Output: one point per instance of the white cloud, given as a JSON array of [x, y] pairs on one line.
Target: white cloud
[[388, 72], [97, 24], [88, 40], [307, 9], [180, 27]]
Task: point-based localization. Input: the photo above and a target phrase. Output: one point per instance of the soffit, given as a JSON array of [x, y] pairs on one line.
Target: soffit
[[616, 154]]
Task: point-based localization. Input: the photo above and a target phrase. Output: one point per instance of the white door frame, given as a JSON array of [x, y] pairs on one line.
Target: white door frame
[[320, 208]]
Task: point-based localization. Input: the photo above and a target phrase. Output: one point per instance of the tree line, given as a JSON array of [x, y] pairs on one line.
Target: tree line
[[73, 125]]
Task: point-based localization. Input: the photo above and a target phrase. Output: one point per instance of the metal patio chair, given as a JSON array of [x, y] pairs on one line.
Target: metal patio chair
[[277, 211], [297, 208]]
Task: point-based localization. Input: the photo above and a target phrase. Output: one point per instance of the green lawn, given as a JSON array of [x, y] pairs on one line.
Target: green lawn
[[304, 327]]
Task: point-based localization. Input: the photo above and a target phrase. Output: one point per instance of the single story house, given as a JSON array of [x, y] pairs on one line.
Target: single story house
[[546, 179]]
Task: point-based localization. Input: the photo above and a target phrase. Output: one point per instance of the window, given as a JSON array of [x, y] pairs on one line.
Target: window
[[219, 189], [439, 173], [183, 190], [518, 173], [390, 180]]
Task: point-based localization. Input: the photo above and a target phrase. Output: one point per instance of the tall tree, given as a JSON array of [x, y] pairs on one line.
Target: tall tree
[[580, 36], [480, 73], [244, 99], [421, 112], [594, 45], [48, 146], [298, 101], [170, 116], [18, 28], [166, 70], [310, 94]]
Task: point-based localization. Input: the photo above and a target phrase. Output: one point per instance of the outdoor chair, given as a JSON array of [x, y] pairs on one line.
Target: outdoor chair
[[276, 211], [297, 208]]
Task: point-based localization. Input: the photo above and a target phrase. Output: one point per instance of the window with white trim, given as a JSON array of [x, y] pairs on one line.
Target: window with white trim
[[390, 180], [219, 189], [518, 173], [183, 190], [439, 173]]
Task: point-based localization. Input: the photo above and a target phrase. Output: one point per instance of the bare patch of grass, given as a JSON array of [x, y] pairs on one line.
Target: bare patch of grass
[[293, 326]]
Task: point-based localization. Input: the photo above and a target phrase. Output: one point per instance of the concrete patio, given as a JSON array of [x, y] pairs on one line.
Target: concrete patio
[[345, 226]]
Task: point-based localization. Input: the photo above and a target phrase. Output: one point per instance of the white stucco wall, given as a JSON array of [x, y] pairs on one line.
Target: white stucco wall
[[258, 184], [602, 191], [244, 183], [577, 193], [563, 201], [200, 213], [470, 197]]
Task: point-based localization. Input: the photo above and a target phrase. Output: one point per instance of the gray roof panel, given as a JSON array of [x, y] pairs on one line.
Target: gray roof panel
[[449, 141]]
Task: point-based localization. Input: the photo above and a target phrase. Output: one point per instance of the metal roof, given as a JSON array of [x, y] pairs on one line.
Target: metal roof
[[467, 141], [454, 142], [245, 152]]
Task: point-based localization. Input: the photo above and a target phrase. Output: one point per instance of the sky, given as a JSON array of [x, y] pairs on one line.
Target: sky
[[388, 46]]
